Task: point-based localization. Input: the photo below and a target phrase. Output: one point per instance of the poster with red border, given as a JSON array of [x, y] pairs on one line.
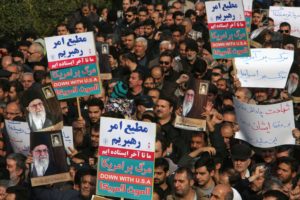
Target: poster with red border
[[73, 64], [126, 158], [227, 29]]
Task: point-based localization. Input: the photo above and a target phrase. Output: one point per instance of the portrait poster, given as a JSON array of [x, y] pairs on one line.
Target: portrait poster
[[195, 99], [42, 109], [104, 56], [227, 29], [74, 66], [126, 158], [49, 163], [265, 126]]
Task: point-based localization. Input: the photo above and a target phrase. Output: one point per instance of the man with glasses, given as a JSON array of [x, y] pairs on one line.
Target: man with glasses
[[37, 116], [241, 158], [41, 161], [35, 53], [285, 28], [130, 16], [166, 62]]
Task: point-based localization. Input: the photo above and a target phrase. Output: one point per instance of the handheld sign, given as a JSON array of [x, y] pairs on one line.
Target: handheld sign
[[49, 163], [286, 14], [195, 99], [73, 64], [265, 126], [19, 136], [126, 158], [248, 13], [266, 68], [227, 29], [67, 133]]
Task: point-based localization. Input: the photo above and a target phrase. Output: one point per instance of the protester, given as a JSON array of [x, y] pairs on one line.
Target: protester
[[157, 52]]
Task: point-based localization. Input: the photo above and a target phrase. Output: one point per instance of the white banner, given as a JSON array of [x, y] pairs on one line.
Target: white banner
[[286, 14], [265, 126], [127, 134], [266, 68], [224, 11], [19, 136], [67, 133], [70, 46]]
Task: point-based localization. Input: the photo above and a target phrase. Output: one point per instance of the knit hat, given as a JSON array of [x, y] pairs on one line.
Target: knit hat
[[120, 90]]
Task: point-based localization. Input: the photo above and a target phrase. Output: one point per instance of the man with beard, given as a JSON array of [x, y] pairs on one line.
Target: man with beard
[[204, 173], [92, 150], [15, 165], [183, 185], [192, 63], [37, 115], [188, 102], [161, 174], [198, 146], [166, 63], [292, 83], [286, 171], [41, 161]]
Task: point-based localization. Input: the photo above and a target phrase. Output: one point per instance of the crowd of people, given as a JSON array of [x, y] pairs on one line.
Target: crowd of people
[[155, 51]]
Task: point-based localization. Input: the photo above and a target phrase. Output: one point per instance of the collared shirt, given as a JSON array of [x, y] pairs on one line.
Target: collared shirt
[[194, 34]]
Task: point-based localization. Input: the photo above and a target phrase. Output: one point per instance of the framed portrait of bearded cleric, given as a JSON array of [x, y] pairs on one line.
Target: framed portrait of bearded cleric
[[192, 106], [42, 109], [49, 163]]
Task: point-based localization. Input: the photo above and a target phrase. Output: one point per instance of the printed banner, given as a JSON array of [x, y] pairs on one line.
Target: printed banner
[[195, 99], [265, 126], [286, 14], [73, 64], [42, 111], [49, 163], [126, 158], [266, 68], [248, 13], [19, 136], [227, 29]]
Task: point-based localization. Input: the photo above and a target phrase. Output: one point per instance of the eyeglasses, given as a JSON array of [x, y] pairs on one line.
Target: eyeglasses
[[36, 105], [41, 151], [284, 31], [215, 74], [128, 15], [163, 62]]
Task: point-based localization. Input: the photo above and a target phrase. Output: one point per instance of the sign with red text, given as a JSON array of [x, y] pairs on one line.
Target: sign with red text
[[248, 13], [126, 158], [227, 29], [73, 64], [265, 126], [266, 68]]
